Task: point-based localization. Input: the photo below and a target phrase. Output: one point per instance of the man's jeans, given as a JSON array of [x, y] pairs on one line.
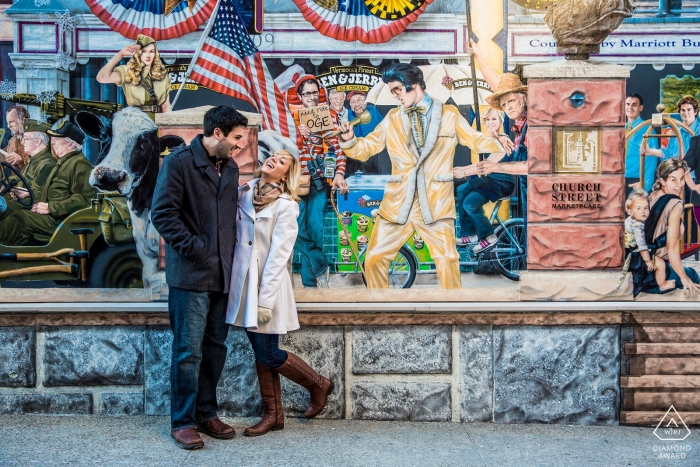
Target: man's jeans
[[470, 206], [310, 238], [197, 320]]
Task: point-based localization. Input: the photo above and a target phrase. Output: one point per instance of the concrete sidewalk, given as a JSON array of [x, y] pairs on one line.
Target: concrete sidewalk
[[134, 441]]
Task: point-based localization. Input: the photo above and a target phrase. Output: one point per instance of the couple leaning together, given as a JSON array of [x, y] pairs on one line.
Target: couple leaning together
[[203, 217]]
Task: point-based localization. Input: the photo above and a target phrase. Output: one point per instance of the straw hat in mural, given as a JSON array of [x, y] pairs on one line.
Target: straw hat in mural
[[508, 83]]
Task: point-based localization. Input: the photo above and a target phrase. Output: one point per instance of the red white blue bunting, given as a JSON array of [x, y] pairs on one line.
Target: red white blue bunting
[[367, 21], [133, 17]]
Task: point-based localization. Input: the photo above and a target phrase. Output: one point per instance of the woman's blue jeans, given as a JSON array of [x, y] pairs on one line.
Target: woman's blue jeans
[[198, 322], [266, 348], [472, 219], [310, 238]]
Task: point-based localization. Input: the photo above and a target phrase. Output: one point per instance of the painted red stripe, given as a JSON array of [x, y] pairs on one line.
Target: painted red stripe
[[377, 36], [132, 31]]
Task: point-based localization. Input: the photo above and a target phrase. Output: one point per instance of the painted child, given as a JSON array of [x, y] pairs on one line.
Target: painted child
[[637, 206]]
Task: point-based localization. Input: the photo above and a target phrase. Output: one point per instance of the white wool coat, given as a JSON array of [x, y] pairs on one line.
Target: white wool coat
[[260, 277]]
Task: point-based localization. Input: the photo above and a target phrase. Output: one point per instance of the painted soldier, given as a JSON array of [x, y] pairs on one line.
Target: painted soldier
[[66, 190], [39, 165]]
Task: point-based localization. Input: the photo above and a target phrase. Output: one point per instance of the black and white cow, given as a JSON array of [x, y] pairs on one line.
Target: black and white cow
[[131, 167]]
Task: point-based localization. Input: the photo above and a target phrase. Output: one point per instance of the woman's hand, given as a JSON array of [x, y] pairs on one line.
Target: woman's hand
[[650, 265], [264, 314], [129, 50], [458, 172], [690, 289]]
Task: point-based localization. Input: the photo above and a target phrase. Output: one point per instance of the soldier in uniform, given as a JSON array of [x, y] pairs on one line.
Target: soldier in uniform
[[66, 190], [144, 80], [39, 165], [16, 155]]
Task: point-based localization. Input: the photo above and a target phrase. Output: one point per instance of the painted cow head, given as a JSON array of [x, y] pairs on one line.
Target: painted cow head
[[132, 163]]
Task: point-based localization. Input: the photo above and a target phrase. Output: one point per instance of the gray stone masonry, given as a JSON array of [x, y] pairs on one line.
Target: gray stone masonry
[[401, 349], [416, 402], [94, 356], [78, 404], [562, 374], [17, 355], [127, 403], [476, 358], [503, 374]]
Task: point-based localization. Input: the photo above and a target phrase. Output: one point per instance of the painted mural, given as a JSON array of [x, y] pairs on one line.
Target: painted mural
[[422, 173]]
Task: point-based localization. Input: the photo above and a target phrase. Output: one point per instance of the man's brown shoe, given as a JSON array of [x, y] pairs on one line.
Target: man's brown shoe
[[216, 429], [187, 438]]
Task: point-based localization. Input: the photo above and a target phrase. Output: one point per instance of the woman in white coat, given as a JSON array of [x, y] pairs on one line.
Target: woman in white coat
[[261, 297]]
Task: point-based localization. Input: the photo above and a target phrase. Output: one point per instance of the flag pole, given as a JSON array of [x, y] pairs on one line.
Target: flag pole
[[197, 51], [472, 66]]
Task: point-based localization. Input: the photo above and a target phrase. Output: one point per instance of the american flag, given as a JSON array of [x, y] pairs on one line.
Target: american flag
[[230, 63]]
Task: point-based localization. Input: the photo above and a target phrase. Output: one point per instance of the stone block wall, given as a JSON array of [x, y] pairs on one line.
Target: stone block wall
[[504, 374]]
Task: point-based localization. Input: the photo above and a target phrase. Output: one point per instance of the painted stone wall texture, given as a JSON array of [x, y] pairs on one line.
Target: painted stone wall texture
[[323, 349], [582, 246], [128, 403], [543, 199], [549, 103], [612, 150], [17, 351], [475, 357], [539, 150], [563, 374], [401, 349], [52, 404], [417, 402], [93, 356], [156, 380]]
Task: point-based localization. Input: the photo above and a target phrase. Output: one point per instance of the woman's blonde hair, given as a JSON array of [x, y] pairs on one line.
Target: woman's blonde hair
[[488, 113], [291, 185], [135, 67], [666, 168]]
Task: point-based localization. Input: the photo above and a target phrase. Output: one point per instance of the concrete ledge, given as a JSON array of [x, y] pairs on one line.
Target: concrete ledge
[[566, 286], [575, 69]]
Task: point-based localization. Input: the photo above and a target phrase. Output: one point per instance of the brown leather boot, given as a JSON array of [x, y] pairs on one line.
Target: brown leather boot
[[187, 438], [301, 373], [273, 418]]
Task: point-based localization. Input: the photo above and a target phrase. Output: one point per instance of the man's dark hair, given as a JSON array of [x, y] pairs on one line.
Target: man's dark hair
[[300, 88], [406, 74], [638, 97], [223, 117], [21, 110]]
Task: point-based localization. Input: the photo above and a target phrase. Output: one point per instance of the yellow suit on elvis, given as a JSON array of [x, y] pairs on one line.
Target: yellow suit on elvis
[[419, 194]]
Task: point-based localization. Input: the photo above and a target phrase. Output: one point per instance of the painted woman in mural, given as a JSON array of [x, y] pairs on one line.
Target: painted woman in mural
[[664, 230], [473, 194], [144, 80]]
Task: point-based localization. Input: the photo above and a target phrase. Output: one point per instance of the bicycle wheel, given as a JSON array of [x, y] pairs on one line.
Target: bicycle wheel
[[402, 270], [510, 252]]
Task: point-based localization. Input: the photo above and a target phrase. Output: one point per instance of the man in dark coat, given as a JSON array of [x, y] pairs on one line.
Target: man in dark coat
[[194, 210], [66, 190]]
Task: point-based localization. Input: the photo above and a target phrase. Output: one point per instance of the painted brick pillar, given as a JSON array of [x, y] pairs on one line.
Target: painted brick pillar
[[576, 172]]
